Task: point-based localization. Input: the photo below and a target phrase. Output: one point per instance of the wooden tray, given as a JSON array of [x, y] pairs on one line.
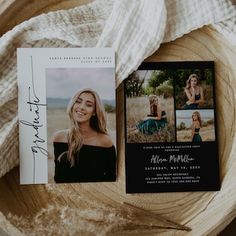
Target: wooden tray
[[206, 213]]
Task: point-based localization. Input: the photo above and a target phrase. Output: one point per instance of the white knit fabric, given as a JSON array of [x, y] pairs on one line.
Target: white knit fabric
[[135, 29], [228, 29], [184, 16]]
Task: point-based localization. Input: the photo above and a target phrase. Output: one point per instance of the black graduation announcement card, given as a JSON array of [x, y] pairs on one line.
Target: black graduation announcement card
[[170, 128]]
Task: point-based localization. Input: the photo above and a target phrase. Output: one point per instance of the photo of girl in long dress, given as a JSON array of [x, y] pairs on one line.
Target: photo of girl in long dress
[[155, 120], [149, 107]]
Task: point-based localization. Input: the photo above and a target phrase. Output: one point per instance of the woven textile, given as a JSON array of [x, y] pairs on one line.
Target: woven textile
[[135, 29]]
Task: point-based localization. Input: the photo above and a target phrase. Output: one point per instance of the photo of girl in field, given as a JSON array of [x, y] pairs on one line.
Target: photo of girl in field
[[155, 120], [194, 88], [149, 107], [195, 125]]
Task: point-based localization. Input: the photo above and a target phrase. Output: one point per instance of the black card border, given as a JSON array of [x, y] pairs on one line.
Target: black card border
[[178, 65]]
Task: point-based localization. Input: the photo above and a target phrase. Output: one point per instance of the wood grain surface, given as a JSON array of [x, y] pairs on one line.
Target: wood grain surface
[[206, 213]]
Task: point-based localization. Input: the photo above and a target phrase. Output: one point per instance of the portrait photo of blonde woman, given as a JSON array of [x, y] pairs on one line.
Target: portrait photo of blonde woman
[[81, 125]]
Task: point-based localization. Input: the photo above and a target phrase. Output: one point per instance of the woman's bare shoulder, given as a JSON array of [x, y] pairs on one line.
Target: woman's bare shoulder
[[60, 136], [105, 140]]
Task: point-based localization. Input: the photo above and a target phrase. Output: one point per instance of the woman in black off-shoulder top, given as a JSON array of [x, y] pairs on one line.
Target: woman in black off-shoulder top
[[84, 152]]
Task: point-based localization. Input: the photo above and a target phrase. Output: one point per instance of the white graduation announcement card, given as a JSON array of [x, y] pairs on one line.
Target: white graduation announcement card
[[66, 106]]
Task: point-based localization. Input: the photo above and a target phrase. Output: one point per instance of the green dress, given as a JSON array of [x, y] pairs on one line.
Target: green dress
[[193, 105], [151, 126], [196, 137]]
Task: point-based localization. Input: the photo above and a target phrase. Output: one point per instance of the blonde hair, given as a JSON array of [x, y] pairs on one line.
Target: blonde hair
[[189, 79], [198, 117], [153, 107], [97, 122]]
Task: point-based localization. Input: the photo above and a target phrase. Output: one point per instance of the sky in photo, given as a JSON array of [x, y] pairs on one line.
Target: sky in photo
[[186, 116], [65, 82]]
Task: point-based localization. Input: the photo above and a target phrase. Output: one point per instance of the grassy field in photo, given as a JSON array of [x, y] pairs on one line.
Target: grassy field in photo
[[207, 133], [137, 108]]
